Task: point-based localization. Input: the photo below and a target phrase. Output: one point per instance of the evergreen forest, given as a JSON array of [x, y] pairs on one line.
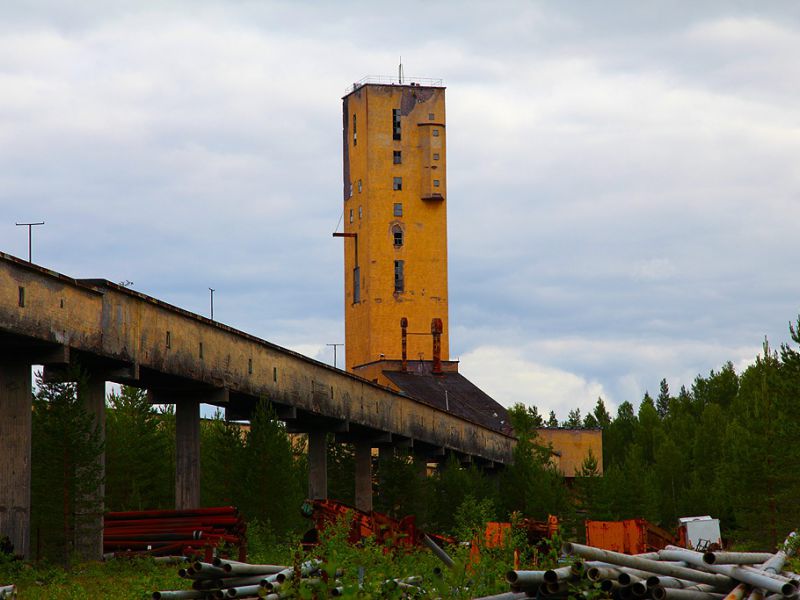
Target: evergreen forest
[[723, 445]]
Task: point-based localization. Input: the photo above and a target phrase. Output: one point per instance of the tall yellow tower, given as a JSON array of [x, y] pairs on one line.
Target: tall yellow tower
[[395, 223]]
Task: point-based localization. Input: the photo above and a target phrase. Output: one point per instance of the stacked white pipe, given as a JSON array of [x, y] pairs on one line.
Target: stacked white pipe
[[670, 574]]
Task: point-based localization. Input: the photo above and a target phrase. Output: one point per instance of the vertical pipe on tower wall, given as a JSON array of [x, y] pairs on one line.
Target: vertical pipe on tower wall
[[436, 332], [404, 340]]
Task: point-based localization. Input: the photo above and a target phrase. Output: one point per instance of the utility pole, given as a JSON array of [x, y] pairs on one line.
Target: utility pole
[[30, 227], [212, 290], [334, 352]]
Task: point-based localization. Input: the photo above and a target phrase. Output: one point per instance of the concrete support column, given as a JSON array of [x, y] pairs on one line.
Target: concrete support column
[[89, 521], [421, 465], [187, 454], [363, 475], [15, 455], [317, 465]]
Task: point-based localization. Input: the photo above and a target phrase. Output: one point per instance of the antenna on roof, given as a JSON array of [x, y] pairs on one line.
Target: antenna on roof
[[400, 72]]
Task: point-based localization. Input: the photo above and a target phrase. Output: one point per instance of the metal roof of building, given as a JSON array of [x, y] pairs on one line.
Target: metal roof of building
[[454, 393]]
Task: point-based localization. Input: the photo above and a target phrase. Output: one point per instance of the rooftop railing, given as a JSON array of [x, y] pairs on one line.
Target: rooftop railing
[[394, 80]]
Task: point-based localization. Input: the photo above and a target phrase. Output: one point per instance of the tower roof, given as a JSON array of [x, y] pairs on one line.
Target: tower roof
[[393, 81]]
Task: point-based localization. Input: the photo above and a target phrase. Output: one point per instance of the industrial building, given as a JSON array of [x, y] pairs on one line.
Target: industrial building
[[394, 150], [395, 247]]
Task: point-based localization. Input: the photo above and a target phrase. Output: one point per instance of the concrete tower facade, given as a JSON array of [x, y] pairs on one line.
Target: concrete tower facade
[[395, 224]]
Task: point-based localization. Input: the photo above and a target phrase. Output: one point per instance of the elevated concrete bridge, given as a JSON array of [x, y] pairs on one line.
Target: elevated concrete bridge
[[119, 335]]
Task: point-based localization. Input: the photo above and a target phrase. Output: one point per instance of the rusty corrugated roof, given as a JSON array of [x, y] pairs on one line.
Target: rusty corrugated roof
[[455, 393]]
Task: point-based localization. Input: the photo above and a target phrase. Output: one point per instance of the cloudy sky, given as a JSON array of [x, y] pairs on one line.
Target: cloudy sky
[[624, 189]]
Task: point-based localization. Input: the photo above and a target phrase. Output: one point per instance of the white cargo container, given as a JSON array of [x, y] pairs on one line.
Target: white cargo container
[[699, 533]]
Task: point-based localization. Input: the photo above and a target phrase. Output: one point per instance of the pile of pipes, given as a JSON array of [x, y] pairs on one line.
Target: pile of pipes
[[8, 592], [164, 532], [670, 574], [232, 579]]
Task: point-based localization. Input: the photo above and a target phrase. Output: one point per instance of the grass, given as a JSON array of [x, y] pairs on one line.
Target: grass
[[118, 579], [364, 569]]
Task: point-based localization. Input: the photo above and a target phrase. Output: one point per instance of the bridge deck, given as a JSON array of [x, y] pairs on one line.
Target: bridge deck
[[140, 340]]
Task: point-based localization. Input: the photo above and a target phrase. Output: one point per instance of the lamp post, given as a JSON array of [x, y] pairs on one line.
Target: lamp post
[[334, 352], [30, 227]]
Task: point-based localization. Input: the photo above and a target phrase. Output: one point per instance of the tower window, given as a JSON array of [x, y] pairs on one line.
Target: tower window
[[397, 157], [399, 281], [435, 183], [431, 117], [398, 209], [356, 285], [168, 341], [435, 156], [395, 123], [351, 215], [397, 184], [351, 190], [360, 212], [397, 234], [435, 133], [355, 135], [359, 186], [21, 298]]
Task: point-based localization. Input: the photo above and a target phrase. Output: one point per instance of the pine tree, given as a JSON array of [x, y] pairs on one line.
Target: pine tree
[[66, 471], [224, 460], [574, 420], [663, 399], [601, 414], [137, 475]]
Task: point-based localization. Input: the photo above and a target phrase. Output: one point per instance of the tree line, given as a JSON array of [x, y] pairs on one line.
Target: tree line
[[724, 446]]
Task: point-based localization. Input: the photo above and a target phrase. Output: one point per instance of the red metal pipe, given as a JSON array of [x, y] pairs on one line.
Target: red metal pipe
[[436, 332]]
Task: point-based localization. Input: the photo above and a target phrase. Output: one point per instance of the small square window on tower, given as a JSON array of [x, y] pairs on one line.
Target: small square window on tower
[[398, 209], [397, 184], [397, 157], [435, 183], [435, 133], [435, 156]]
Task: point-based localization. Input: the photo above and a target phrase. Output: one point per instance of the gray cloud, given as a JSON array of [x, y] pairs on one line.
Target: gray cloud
[[622, 178]]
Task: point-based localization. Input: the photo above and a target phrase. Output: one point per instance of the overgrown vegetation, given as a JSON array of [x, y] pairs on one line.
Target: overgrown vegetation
[[722, 446], [66, 446]]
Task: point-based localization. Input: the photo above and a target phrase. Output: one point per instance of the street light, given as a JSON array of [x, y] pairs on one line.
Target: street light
[[334, 352], [30, 226]]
